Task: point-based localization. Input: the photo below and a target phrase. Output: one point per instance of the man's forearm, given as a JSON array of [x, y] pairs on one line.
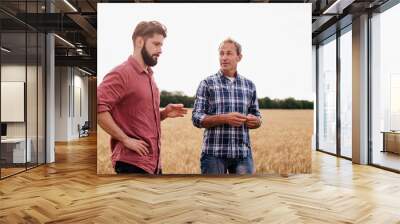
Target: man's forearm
[[210, 121], [108, 124], [163, 114]]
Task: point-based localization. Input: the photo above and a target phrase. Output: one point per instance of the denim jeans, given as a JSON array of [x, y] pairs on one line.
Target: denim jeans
[[214, 165]]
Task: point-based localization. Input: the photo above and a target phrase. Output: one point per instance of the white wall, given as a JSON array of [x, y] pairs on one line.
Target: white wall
[[67, 115], [61, 103], [34, 124], [80, 83], [17, 73], [14, 73]]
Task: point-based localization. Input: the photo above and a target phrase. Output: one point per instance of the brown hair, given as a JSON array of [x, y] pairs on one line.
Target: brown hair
[[147, 29], [231, 41]]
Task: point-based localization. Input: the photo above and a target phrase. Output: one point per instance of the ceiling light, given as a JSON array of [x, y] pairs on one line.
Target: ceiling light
[[65, 41], [5, 50], [84, 71], [70, 5], [338, 6]]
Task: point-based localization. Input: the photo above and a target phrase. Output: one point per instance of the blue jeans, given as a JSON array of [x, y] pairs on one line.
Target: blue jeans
[[214, 165]]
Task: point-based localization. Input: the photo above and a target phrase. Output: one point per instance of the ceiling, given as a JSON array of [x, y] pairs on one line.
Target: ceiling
[[75, 21]]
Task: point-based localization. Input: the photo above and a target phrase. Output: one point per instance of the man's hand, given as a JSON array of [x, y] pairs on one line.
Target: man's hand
[[235, 119], [174, 110], [253, 121], [138, 146]]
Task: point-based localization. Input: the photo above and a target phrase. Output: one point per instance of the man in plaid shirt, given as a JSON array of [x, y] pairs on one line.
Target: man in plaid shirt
[[226, 106]]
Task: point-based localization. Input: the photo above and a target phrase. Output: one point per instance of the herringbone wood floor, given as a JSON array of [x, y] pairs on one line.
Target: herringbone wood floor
[[69, 191]]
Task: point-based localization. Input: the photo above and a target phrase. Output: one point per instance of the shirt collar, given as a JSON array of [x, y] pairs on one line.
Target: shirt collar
[[135, 64], [221, 75]]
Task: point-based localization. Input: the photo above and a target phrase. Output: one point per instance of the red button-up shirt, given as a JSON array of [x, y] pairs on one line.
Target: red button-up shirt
[[131, 95]]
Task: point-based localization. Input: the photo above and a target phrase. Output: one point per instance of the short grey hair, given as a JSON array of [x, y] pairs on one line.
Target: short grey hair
[[232, 41]]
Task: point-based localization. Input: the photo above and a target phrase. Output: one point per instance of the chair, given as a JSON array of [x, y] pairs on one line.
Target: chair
[[84, 130]]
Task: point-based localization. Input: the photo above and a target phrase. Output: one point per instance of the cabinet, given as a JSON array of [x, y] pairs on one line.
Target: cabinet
[[391, 141]]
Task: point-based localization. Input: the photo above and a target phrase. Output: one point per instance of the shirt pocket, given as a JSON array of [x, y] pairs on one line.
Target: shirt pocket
[[242, 101], [222, 99]]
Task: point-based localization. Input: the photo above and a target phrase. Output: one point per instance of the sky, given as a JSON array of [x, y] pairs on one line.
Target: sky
[[275, 38]]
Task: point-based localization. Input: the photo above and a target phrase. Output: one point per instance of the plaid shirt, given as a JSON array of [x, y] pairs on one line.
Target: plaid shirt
[[219, 95]]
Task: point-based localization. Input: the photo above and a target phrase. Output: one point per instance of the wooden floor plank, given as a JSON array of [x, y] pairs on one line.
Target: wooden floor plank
[[70, 191]]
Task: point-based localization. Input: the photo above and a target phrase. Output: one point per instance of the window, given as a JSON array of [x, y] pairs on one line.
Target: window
[[23, 80], [385, 88], [327, 95], [346, 93]]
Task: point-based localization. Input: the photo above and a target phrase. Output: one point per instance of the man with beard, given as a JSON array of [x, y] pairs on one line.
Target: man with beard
[[128, 105], [226, 106]]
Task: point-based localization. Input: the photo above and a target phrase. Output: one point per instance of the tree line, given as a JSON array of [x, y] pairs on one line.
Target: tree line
[[264, 103]]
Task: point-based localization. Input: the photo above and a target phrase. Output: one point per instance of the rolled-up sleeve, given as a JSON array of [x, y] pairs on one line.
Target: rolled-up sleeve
[[201, 104], [110, 91], [254, 108]]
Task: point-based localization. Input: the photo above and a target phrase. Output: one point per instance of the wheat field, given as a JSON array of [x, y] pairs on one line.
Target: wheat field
[[282, 145]]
